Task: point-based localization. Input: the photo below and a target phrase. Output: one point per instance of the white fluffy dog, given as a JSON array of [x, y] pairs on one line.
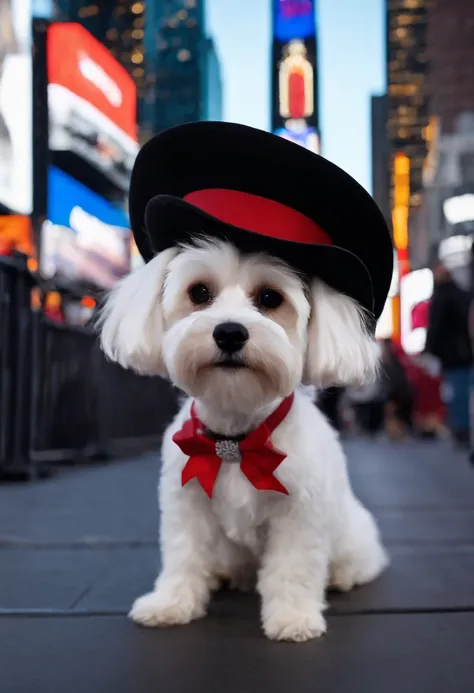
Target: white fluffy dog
[[171, 317]]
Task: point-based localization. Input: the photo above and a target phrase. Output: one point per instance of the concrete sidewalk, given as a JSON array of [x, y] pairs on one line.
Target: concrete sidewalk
[[76, 550]]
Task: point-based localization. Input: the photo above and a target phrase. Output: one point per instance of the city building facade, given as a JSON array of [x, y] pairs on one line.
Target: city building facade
[[164, 46], [212, 101], [380, 155], [117, 24], [183, 82], [446, 217], [407, 88], [451, 56], [447, 209]]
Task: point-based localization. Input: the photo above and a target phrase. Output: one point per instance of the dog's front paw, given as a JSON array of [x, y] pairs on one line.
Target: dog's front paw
[[157, 610], [294, 625]]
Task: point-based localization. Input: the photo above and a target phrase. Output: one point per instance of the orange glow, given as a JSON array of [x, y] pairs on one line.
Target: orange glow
[[402, 164], [32, 264], [15, 234], [401, 201], [400, 227], [431, 134], [400, 212], [88, 302], [403, 262], [35, 299], [396, 331], [53, 300]]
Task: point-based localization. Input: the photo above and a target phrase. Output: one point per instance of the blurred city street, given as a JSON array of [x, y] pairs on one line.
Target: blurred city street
[[76, 549], [328, 147]]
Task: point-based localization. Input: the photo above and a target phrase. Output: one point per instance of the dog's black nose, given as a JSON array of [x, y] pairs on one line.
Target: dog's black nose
[[230, 336]]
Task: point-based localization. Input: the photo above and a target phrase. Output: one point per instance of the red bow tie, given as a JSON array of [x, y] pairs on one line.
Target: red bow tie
[[256, 454]]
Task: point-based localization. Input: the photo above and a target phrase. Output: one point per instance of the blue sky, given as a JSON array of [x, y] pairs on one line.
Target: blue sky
[[351, 62]]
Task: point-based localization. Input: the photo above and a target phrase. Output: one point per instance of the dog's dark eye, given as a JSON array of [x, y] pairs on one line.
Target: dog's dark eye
[[269, 299], [200, 294]]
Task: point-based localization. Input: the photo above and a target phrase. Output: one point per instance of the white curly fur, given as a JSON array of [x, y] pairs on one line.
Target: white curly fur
[[293, 546]]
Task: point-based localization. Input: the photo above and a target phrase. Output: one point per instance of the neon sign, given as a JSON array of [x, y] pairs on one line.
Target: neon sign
[[293, 19]]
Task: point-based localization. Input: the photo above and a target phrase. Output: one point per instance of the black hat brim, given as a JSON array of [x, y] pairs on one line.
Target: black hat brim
[[210, 155], [171, 221]]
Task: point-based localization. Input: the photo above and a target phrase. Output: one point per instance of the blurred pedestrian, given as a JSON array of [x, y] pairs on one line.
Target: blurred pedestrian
[[429, 410], [368, 405], [398, 390], [449, 341]]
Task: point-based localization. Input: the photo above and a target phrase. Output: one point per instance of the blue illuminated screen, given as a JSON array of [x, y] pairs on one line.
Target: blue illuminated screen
[[293, 19], [65, 193], [85, 238]]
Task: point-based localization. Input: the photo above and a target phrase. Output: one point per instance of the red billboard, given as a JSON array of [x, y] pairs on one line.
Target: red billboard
[[92, 102], [295, 73]]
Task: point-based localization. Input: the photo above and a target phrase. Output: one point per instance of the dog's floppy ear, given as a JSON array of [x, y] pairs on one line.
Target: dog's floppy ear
[[340, 350], [131, 321]]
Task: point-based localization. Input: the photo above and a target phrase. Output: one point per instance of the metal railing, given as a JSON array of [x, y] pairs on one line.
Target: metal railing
[[60, 400]]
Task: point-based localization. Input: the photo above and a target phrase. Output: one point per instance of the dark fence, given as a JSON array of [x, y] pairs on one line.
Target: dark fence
[[60, 399], [15, 370]]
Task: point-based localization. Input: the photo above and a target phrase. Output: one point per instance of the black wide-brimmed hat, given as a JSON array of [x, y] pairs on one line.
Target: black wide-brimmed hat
[[261, 193]]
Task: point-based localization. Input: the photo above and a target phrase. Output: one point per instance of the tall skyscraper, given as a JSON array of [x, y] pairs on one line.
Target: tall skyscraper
[[449, 172], [164, 47], [408, 114], [183, 81], [212, 82], [119, 25], [380, 156], [294, 108], [451, 56]]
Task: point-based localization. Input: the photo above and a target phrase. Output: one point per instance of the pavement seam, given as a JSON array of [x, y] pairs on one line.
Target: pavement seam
[[95, 613], [15, 543], [447, 546], [87, 590]]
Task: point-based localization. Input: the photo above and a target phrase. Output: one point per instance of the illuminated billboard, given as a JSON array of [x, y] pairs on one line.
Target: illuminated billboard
[[293, 18], [16, 95], [416, 290], [85, 237], [16, 235], [92, 102], [294, 73], [459, 209]]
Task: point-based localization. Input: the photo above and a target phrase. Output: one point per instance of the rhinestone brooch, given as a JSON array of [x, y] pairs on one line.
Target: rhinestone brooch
[[228, 451]]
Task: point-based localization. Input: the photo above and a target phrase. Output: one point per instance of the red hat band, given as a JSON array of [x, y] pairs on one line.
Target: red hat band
[[258, 214]]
